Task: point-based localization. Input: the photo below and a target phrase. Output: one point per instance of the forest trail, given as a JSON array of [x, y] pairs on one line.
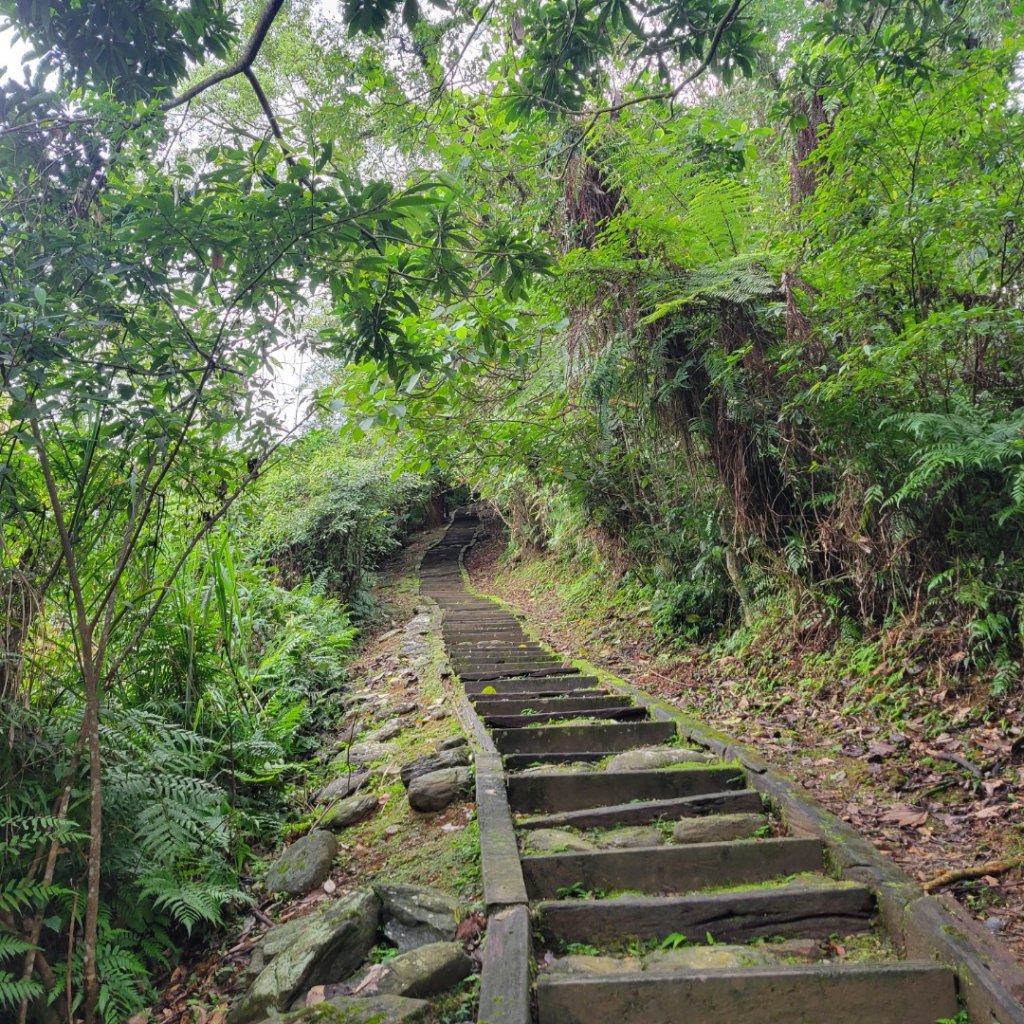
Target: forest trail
[[630, 869]]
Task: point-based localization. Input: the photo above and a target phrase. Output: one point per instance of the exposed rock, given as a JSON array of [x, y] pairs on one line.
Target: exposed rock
[[433, 762], [806, 950], [418, 907], [364, 1010], [323, 947], [717, 828], [577, 964], [426, 971], [349, 811], [453, 743], [406, 709], [562, 768], [630, 837], [363, 753], [556, 840], [304, 865], [647, 758], [436, 790], [349, 732], [342, 786], [405, 937], [438, 714], [707, 958], [386, 732]]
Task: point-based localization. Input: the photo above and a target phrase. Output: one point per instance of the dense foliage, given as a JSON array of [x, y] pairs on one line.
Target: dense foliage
[[725, 296]]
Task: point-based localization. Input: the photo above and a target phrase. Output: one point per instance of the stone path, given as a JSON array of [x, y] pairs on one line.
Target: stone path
[[633, 876]]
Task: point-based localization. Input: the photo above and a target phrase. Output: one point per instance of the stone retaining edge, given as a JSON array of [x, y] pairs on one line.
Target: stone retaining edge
[[989, 979]]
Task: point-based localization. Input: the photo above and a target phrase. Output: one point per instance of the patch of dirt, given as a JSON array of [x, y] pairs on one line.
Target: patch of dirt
[[933, 777]]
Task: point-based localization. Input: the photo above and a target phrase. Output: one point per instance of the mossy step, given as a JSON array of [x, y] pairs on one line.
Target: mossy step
[[495, 705], [529, 687], [672, 869], [619, 714], [568, 738], [559, 792], [517, 672], [901, 993], [799, 910]]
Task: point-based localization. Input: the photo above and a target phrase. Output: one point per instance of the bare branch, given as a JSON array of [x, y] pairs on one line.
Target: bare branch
[[240, 66]]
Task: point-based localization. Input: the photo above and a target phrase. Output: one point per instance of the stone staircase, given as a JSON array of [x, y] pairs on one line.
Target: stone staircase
[[658, 889]]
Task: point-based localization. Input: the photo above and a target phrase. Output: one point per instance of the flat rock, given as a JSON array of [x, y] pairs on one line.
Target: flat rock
[[630, 837], [419, 906], [318, 949], [304, 865], [453, 743], [647, 758], [426, 971], [342, 786], [577, 964], [717, 828], [436, 790], [556, 840], [348, 812], [708, 958], [432, 763]]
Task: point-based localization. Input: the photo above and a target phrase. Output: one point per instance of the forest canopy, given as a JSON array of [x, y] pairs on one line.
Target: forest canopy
[[724, 296]]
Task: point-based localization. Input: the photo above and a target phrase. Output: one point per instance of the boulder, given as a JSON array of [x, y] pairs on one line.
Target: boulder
[[453, 743], [647, 758], [433, 763], [436, 790], [349, 811], [717, 828], [342, 786], [556, 840], [631, 837], [406, 709], [416, 914], [426, 971], [318, 949], [304, 865]]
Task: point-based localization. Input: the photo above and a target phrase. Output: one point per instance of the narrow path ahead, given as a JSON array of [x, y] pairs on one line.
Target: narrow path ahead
[[643, 876]]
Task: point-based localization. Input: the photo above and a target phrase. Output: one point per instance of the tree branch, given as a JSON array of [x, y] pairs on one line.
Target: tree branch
[[240, 66]]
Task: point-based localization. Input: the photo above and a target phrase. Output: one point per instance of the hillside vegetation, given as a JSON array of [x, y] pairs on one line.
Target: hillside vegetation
[[719, 300]]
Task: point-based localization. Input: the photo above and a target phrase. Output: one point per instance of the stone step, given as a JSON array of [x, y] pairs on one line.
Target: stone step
[[667, 869], [507, 665], [517, 762], [885, 993], [569, 738], [574, 791], [643, 813], [635, 713], [529, 686], [495, 705], [797, 911], [517, 672]]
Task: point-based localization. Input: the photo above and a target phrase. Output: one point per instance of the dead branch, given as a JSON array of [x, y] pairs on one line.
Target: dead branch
[[995, 867]]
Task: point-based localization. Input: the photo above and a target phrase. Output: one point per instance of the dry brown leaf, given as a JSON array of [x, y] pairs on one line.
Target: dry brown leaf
[[905, 816]]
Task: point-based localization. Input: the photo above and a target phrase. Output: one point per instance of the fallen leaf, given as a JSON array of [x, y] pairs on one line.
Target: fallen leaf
[[905, 816]]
